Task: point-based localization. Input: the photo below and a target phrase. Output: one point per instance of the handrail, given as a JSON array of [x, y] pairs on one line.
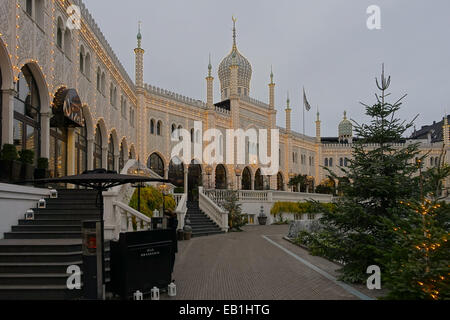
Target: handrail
[[181, 209], [125, 214], [212, 210]]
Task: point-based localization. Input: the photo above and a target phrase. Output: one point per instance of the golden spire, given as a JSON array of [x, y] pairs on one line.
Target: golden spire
[[234, 32]]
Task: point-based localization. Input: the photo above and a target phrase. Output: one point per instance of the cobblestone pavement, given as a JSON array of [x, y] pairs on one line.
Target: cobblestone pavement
[[246, 265]]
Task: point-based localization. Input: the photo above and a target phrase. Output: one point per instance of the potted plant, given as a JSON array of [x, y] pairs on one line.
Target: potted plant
[[262, 218], [9, 166], [187, 230], [26, 157], [41, 172]]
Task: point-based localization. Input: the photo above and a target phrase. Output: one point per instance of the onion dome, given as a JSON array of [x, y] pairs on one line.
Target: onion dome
[[345, 127], [244, 70]]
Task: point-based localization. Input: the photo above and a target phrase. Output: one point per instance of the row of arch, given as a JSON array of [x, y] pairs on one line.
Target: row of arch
[[176, 174], [29, 109]]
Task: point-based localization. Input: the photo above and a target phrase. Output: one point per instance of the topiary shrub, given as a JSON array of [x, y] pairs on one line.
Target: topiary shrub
[[8, 153], [26, 156]]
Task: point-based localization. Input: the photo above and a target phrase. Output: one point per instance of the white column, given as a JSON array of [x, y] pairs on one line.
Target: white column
[[45, 134], [116, 162], [7, 116]]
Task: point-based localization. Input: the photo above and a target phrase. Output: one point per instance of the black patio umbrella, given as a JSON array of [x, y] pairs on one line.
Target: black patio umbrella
[[100, 180]]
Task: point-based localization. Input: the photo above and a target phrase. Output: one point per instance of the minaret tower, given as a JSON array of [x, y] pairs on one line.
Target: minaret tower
[[209, 86], [139, 52], [288, 114], [318, 127], [271, 91]]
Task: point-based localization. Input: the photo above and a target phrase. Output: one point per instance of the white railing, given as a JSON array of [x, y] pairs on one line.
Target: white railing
[[126, 215], [219, 196], [181, 200], [212, 210]]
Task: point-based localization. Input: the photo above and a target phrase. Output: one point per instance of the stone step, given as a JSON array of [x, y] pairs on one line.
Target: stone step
[[43, 228], [43, 279], [64, 216], [43, 235], [205, 233], [67, 211], [38, 292], [37, 267], [10, 257], [44, 245], [49, 222]]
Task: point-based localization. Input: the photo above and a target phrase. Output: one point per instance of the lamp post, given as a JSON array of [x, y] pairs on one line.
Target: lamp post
[[238, 173], [209, 170], [163, 188], [139, 172]]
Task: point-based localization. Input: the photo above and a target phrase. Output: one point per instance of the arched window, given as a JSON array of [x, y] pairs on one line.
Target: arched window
[[221, 177], [179, 131], [111, 153], [59, 35], [82, 59], [159, 128], [192, 135], [176, 173], [431, 161], [27, 106], [103, 83], [111, 92], [341, 162], [280, 183], [174, 127], [330, 162], [81, 150], [87, 66], [152, 126], [98, 149], [246, 179], [68, 43], [436, 162], [259, 180], [29, 7], [326, 162], [121, 157], [156, 164], [114, 101], [99, 79]]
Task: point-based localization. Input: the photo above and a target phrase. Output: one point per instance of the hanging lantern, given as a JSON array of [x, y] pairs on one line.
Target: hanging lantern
[[42, 204], [155, 213], [172, 290], [154, 293], [138, 295], [29, 215], [53, 194]]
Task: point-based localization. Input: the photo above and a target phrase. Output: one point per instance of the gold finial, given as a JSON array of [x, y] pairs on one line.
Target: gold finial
[[234, 31]]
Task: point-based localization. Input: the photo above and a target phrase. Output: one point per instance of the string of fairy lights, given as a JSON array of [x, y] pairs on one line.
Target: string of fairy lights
[[49, 76]]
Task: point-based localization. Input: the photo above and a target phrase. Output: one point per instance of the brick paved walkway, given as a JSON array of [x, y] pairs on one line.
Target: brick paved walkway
[[245, 265]]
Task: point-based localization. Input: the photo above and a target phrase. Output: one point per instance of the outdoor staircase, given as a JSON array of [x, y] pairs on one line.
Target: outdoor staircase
[[201, 224], [35, 255]]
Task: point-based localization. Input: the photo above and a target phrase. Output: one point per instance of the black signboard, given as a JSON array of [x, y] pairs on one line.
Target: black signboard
[[141, 260], [67, 109]]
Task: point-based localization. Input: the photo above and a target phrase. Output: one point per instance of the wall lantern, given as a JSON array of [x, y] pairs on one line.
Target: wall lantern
[[138, 295], [154, 293], [53, 194], [42, 204], [29, 215], [172, 290]]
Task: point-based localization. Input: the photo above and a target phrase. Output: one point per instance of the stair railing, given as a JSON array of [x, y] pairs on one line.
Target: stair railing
[[128, 217], [212, 210], [181, 208]]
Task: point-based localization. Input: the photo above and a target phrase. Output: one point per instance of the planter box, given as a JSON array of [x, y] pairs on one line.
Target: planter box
[[262, 220], [10, 171], [27, 172]]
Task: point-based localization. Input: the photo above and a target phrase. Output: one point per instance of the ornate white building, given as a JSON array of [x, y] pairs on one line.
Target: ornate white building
[[48, 72]]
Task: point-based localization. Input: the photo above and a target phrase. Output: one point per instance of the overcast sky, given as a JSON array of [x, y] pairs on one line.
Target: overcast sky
[[323, 45]]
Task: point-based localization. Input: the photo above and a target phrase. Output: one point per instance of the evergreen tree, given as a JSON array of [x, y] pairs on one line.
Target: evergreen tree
[[231, 204], [380, 173], [418, 264]]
